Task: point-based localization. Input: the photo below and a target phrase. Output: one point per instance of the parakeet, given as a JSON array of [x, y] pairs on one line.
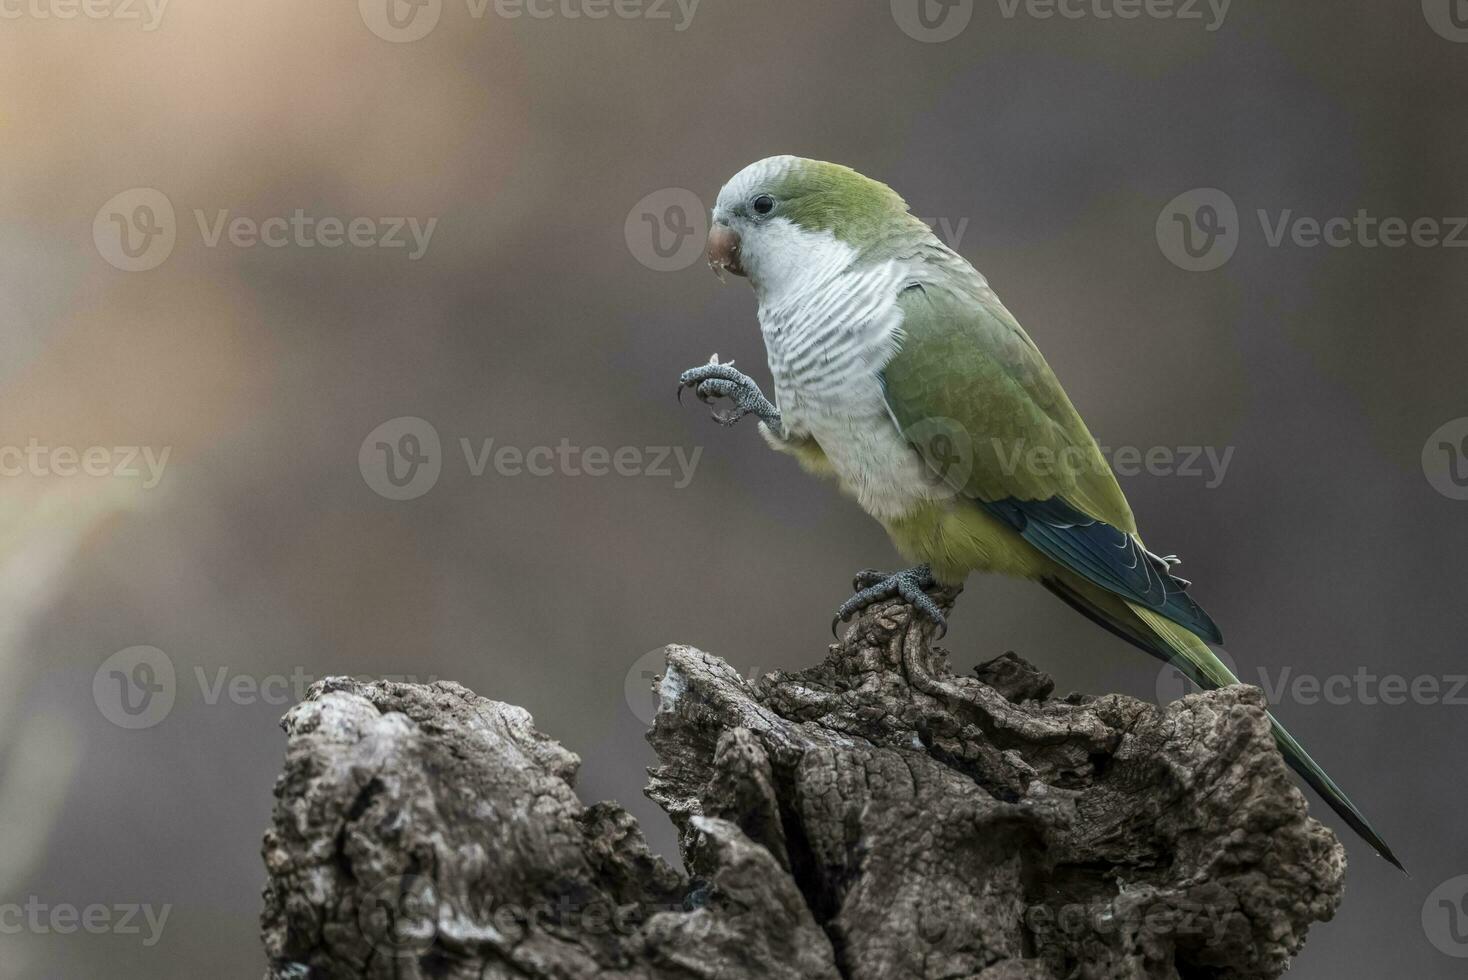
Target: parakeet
[[898, 372]]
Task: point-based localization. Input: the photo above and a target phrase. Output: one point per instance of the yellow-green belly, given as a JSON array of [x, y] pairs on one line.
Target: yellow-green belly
[[956, 537]]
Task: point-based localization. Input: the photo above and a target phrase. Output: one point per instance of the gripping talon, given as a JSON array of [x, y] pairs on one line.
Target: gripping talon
[[929, 608], [910, 586]]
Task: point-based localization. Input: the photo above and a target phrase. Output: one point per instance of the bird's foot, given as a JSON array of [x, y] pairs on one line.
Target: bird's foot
[[714, 380], [910, 585]]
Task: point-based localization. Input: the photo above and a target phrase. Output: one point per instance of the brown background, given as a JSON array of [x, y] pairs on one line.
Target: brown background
[[1325, 550]]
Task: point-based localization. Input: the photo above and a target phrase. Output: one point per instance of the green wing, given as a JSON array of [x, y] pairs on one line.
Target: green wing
[[965, 360], [969, 389]]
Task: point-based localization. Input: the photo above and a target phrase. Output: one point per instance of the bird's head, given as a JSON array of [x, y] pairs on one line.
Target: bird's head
[[777, 217]]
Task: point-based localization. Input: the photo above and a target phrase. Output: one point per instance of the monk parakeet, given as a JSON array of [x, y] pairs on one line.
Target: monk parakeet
[[898, 372]]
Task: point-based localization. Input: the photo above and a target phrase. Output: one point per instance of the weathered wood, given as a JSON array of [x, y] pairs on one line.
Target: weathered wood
[[873, 817]]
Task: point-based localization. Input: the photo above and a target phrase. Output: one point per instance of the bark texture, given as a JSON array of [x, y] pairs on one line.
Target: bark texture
[[872, 817]]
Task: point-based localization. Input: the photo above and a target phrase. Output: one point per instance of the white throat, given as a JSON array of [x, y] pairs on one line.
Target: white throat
[[784, 260], [830, 325]]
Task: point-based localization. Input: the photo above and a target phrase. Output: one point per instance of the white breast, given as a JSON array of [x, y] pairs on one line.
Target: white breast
[[829, 329]]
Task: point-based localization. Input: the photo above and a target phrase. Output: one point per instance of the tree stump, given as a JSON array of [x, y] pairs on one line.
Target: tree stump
[[872, 817]]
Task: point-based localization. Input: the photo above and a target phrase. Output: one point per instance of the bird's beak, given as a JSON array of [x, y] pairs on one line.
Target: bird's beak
[[724, 250]]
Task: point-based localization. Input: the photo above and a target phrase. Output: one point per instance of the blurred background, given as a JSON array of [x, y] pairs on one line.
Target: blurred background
[[253, 431]]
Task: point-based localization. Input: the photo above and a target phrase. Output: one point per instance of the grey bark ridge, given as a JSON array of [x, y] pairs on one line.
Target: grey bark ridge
[[873, 817]]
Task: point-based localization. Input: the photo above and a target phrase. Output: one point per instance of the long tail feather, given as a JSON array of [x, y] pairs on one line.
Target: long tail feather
[[1170, 642], [1311, 772], [1208, 672]]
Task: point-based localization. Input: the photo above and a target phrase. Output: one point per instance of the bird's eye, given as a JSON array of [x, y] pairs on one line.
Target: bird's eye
[[764, 204]]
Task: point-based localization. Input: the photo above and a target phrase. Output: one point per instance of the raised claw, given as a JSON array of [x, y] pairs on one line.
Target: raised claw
[[707, 372], [713, 380]]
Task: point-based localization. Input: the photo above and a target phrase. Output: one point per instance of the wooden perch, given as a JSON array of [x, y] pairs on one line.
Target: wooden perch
[[872, 817]]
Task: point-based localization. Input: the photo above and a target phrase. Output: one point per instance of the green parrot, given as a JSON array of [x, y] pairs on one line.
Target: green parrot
[[899, 373]]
